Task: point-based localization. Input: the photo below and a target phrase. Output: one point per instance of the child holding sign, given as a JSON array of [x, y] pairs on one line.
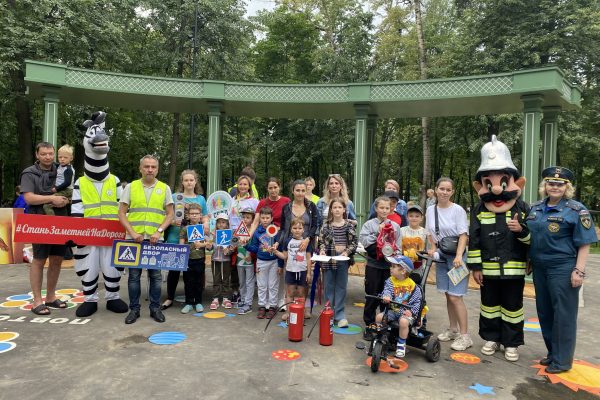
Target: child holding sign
[[298, 272], [193, 278], [267, 278], [221, 264], [245, 267]]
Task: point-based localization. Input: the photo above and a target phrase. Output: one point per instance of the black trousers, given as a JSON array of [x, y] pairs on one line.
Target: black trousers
[[501, 318], [374, 282], [193, 280], [172, 281]]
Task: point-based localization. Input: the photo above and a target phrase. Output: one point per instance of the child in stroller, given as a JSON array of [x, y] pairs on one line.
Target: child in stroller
[[401, 323]]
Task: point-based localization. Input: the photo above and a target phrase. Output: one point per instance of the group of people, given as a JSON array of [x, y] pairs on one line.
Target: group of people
[[555, 234]]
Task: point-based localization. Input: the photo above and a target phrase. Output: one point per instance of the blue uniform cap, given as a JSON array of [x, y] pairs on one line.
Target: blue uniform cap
[[401, 260], [558, 175]]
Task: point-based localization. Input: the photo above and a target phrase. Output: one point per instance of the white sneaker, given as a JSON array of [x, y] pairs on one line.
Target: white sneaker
[[462, 343], [214, 304], [511, 354], [343, 323], [400, 351], [448, 335], [490, 347]]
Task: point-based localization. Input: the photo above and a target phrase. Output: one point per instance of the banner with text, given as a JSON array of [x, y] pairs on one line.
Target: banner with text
[[10, 251], [168, 256], [35, 228]]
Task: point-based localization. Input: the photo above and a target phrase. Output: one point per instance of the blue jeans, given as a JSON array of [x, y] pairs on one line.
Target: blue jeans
[[134, 287], [336, 283]]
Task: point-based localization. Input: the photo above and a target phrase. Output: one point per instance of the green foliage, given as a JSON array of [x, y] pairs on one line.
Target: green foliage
[[301, 41]]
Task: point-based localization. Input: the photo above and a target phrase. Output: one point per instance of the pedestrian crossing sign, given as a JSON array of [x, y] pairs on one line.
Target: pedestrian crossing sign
[[223, 237], [127, 254], [195, 233], [242, 230]]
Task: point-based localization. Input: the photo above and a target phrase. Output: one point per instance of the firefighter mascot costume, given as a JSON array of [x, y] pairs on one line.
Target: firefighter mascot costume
[[498, 244], [96, 195]]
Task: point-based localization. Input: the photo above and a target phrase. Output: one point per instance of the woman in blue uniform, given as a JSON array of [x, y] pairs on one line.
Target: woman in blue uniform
[[562, 231]]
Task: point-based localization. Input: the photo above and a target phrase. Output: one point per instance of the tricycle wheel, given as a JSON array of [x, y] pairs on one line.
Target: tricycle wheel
[[433, 350], [376, 355]]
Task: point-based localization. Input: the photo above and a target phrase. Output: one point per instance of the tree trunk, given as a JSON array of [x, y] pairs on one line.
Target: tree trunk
[[24, 124], [424, 120], [177, 116], [174, 150], [385, 135]]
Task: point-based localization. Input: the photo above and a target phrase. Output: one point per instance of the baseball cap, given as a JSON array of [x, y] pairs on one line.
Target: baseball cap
[[401, 260], [392, 194], [415, 207], [222, 216], [247, 210]]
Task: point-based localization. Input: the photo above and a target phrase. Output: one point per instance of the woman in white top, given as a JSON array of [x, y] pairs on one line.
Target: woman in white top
[[451, 222]]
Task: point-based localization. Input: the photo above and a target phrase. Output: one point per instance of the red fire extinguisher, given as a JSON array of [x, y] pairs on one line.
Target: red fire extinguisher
[[296, 320], [326, 326]]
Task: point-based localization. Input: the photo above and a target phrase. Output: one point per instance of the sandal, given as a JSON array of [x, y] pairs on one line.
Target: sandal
[[41, 309], [56, 304]]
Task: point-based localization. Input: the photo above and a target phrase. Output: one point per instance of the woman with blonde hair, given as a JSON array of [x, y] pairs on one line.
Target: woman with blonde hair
[[562, 231], [334, 188]]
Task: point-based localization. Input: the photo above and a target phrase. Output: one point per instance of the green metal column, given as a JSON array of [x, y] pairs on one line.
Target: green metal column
[[214, 147], [371, 132], [532, 116], [51, 101], [550, 135], [361, 167]]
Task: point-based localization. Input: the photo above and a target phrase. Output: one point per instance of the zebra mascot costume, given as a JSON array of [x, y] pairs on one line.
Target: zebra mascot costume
[[96, 195]]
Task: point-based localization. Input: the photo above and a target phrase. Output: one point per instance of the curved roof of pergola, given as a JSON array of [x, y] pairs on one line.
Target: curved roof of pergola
[[469, 95]]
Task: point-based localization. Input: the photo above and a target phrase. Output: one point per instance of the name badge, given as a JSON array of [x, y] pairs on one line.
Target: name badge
[[555, 219]]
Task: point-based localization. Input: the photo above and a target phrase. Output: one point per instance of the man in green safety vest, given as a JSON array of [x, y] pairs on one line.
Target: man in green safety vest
[[145, 211]]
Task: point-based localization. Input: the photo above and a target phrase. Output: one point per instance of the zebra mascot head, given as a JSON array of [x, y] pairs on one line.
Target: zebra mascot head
[[96, 148]]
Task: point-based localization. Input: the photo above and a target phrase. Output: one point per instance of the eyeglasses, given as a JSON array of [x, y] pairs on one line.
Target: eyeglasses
[[334, 175]]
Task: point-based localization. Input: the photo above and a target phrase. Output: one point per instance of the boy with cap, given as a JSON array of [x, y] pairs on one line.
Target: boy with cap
[[414, 236], [400, 288]]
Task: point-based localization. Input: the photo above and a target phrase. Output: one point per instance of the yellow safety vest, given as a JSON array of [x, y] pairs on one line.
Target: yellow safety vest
[[146, 217], [103, 206]]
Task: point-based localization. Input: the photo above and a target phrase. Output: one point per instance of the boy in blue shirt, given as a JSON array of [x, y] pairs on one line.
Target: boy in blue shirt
[[267, 268]]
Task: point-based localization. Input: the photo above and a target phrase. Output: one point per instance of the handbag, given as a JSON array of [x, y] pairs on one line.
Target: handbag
[[449, 244]]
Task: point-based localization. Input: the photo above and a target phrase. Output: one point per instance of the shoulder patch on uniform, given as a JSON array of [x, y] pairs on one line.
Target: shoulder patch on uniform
[[573, 205], [585, 218]]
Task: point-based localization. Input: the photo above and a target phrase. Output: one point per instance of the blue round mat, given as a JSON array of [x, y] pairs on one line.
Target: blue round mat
[[20, 297], [7, 346], [167, 338], [350, 330]]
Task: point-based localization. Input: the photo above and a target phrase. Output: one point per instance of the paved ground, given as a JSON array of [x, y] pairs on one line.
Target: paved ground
[[63, 358]]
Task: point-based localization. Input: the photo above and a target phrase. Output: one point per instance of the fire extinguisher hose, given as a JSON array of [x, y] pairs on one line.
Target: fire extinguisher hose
[[279, 309], [318, 319]]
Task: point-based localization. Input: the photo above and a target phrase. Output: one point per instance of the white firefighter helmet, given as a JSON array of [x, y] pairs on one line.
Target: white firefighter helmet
[[495, 156]]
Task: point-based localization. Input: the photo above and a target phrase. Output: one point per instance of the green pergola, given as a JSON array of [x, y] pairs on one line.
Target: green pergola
[[540, 94]]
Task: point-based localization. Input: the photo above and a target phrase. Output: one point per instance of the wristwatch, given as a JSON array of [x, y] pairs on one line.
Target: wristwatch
[[160, 230]]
